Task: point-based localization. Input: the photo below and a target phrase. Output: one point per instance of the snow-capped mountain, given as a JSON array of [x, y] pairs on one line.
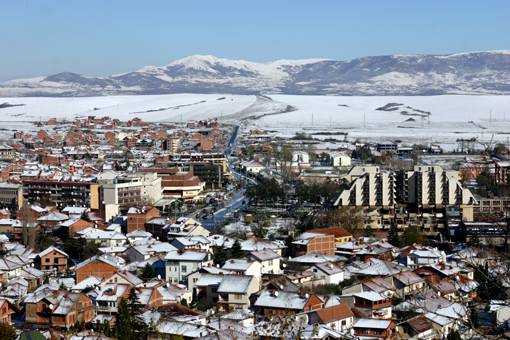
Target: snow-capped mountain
[[461, 73]]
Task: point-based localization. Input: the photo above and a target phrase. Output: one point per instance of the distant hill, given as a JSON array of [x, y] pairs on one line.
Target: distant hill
[[462, 73]]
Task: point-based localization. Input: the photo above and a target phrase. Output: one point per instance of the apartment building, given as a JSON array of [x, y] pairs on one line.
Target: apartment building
[[129, 190], [176, 183], [419, 196], [370, 187], [11, 196], [61, 193]]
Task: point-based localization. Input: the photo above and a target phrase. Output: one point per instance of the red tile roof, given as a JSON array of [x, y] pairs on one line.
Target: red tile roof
[[334, 313]]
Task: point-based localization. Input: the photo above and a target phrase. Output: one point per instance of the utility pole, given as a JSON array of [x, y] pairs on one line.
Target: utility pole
[[364, 120]]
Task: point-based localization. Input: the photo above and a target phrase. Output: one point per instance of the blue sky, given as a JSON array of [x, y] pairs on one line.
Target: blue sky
[[101, 37]]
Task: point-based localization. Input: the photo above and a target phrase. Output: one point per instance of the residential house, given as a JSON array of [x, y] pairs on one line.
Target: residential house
[[137, 217], [102, 267], [109, 296], [329, 272], [234, 291], [374, 329], [418, 327], [186, 226], [244, 267], [180, 264], [6, 311], [408, 283], [341, 235], [271, 303], [58, 308], [448, 319], [52, 259], [315, 243], [338, 317], [269, 260], [72, 226], [370, 304]]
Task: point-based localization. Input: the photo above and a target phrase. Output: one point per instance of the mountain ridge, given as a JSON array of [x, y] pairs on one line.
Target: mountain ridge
[[480, 72]]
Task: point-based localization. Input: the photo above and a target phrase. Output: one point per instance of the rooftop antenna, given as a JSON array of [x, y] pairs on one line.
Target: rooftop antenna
[[312, 119]]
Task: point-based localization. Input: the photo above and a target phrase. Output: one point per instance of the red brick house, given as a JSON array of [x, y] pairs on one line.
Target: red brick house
[[137, 217], [101, 267], [52, 259]]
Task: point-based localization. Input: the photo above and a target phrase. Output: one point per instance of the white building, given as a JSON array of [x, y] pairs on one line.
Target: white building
[[339, 159], [130, 189], [180, 264]]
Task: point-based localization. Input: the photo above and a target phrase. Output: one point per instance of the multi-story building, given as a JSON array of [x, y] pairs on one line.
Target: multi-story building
[[211, 168], [130, 189], [61, 193], [493, 205], [419, 196], [178, 184], [11, 196], [7, 153], [370, 187]]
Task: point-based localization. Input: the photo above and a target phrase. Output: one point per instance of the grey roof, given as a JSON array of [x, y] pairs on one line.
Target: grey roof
[[264, 255], [192, 256], [281, 299], [235, 284]]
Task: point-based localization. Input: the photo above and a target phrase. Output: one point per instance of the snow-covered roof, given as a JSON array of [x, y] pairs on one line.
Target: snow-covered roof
[[238, 284], [281, 299], [192, 256], [372, 323]]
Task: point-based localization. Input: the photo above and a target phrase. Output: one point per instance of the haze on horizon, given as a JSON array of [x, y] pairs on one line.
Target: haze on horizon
[[100, 38]]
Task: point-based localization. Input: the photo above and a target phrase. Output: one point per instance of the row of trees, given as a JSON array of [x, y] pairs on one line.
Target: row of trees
[[319, 192], [266, 191]]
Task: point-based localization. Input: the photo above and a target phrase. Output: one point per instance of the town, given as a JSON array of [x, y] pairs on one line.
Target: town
[[203, 229]]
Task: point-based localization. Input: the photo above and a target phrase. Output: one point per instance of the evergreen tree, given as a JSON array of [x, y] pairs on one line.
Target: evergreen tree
[[236, 252], [219, 256], [123, 328], [135, 309], [454, 335], [412, 235], [148, 272], [393, 238]]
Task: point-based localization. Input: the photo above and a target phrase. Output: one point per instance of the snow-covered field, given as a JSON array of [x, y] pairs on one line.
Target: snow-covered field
[[440, 119]]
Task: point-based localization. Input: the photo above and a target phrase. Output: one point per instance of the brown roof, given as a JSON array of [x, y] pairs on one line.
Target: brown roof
[[419, 323], [334, 313], [336, 231]]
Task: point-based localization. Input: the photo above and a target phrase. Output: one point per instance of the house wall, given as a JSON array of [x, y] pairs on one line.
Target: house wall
[[322, 245], [54, 260], [98, 269]]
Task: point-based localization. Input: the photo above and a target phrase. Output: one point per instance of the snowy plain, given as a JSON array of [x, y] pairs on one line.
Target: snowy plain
[[416, 119]]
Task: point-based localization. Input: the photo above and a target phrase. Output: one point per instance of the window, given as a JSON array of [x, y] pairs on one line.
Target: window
[[183, 269], [238, 296], [47, 260]]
